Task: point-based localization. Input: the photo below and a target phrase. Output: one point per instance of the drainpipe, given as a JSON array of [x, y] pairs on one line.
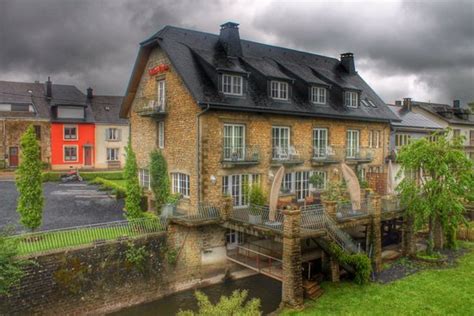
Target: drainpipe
[[198, 150]]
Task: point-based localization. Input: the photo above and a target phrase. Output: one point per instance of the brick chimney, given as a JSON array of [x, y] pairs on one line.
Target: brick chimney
[[456, 104], [90, 94], [407, 104], [49, 88], [230, 39], [347, 61], [398, 102]]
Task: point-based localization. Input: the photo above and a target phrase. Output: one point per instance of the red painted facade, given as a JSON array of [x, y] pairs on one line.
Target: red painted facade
[[84, 144]]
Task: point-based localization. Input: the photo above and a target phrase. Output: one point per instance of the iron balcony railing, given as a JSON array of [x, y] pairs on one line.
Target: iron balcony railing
[[244, 154], [287, 153], [323, 153], [346, 209], [359, 154], [151, 107], [205, 211], [258, 216]]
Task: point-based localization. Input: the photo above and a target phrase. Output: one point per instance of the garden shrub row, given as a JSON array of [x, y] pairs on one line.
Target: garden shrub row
[[87, 176], [116, 189]]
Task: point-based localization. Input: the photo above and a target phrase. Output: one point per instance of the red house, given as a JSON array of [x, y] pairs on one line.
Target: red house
[[72, 128]]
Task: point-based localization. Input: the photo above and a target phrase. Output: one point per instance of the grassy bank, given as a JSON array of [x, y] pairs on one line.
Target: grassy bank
[[431, 292]]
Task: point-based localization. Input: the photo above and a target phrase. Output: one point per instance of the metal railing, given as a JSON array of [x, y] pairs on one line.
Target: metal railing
[[258, 215], [345, 210], [151, 106], [343, 239], [86, 234], [324, 153], [265, 264], [312, 217], [391, 205], [287, 153], [241, 154], [205, 211], [358, 153]]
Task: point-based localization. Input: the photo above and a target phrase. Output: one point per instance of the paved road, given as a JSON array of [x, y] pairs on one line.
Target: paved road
[[67, 204]]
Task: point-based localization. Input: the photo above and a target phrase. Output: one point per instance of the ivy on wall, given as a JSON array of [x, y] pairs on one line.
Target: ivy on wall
[[359, 261], [160, 182]]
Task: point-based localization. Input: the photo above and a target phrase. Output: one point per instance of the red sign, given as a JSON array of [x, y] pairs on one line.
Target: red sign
[[158, 69]]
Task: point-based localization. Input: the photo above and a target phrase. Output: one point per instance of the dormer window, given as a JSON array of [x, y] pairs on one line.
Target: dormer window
[[232, 84], [279, 90], [318, 95], [351, 99]]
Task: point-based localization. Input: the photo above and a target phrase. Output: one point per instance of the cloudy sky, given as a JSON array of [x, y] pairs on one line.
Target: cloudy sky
[[418, 49]]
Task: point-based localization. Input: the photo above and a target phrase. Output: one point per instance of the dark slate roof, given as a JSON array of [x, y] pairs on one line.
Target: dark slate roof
[[410, 119], [447, 113], [106, 109], [198, 56], [17, 93]]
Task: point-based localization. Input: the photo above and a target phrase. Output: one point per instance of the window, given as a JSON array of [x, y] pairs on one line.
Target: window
[[322, 179], [471, 137], [161, 134], [161, 94], [234, 185], [232, 84], [318, 95], [112, 134], [456, 133], [144, 178], [70, 153], [352, 143], [320, 142], [180, 184], [234, 142], [433, 138], [279, 90], [280, 142], [287, 183], [402, 140], [38, 132], [374, 139], [113, 154], [302, 184], [351, 99], [70, 132]]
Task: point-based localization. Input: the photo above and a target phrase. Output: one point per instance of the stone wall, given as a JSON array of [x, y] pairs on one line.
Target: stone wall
[[11, 131], [99, 279]]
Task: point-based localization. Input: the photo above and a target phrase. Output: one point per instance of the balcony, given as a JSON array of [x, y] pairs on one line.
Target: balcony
[[290, 155], [359, 155], [238, 157], [324, 155], [152, 109]]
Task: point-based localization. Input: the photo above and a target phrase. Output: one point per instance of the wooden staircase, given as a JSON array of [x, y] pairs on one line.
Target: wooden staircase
[[312, 290]]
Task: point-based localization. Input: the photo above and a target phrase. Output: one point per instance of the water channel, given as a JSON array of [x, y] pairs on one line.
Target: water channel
[[258, 286]]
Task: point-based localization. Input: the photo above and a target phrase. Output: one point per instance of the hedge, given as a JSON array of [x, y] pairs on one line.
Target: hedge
[[87, 176], [118, 190]]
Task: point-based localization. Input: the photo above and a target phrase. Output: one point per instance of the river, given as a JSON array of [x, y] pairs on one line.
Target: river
[[258, 286]]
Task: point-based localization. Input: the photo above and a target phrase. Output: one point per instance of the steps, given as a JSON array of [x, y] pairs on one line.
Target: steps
[[312, 290]]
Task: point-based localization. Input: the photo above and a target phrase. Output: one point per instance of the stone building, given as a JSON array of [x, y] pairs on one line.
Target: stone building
[[21, 105]]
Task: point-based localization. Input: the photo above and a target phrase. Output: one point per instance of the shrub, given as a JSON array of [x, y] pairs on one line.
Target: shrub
[[359, 261], [160, 183], [133, 196], [116, 189], [50, 177], [136, 256]]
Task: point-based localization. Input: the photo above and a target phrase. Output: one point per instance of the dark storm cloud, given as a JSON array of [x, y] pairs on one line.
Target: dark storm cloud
[[419, 49]]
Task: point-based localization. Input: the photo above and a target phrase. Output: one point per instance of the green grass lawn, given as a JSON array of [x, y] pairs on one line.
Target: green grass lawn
[[431, 292], [120, 183]]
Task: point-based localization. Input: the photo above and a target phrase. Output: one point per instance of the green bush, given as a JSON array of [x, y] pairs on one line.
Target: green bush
[[2, 164], [136, 256], [359, 261], [116, 189]]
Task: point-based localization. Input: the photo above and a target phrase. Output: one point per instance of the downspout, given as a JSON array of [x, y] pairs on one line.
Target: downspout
[[198, 151]]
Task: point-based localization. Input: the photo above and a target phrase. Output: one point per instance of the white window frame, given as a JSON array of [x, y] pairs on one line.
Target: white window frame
[[180, 183], [68, 126], [113, 153], [352, 143], [161, 134], [320, 143], [351, 99], [287, 183], [234, 185], [301, 180], [233, 142], [318, 95], [161, 93], [375, 138], [232, 84], [64, 153], [113, 134], [281, 145], [402, 139], [279, 90], [144, 178]]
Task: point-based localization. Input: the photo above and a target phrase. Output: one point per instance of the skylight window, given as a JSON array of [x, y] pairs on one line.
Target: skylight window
[[364, 102], [232, 84], [372, 103], [279, 90]]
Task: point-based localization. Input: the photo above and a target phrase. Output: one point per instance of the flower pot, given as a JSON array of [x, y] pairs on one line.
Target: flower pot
[[255, 219]]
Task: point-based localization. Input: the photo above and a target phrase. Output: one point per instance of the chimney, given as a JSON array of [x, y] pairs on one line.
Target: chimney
[[89, 93], [456, 104], [49, 88], [230, 39], [398, 102], [347, 61], [407, 104]]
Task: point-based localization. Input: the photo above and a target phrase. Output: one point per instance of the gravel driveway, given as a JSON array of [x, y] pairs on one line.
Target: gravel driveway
[[66, 205]]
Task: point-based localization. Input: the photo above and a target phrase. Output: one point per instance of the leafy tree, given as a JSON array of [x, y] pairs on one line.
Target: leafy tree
[[160, 182], [132, 187], [28, 181], [11, 270], [439, 181], [233, 305]]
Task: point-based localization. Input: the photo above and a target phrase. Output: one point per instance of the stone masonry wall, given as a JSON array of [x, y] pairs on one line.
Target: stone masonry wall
[[180, 138], [99, 279]]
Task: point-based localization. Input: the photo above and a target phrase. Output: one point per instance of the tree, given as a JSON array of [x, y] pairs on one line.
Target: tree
[[439, 180], [233, 305], [28, 181], [160, 182], [133, 191]]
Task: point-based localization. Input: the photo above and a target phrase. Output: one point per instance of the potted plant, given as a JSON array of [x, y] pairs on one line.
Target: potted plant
[[257, 200]]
